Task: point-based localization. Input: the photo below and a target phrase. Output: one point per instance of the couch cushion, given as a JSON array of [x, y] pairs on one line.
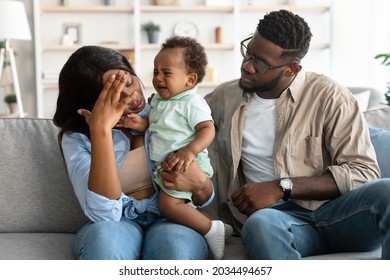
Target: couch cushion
[[36, 246], [378, 117], [380, 138], [363, 99], [35, 191], [376, 97], [379, 125]]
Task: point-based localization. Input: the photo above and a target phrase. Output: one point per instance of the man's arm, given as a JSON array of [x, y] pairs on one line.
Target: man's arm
[[254, 196], [193, 180]]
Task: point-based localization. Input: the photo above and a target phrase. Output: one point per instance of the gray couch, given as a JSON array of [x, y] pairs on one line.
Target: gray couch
[[39, 213]]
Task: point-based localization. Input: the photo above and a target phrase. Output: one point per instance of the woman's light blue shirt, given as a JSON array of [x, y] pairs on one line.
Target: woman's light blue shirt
[[77, 154]]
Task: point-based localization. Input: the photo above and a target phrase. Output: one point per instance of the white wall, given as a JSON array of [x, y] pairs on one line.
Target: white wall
[[360, 30]]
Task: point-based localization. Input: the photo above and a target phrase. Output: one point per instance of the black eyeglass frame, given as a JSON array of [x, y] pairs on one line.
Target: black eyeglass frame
[[260, 65]]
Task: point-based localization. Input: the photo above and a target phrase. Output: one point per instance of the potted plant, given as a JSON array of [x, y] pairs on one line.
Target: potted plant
[[11, 101], [152, 31], [385, 61]]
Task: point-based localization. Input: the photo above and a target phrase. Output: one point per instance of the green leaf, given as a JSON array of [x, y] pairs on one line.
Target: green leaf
[[385, 57]]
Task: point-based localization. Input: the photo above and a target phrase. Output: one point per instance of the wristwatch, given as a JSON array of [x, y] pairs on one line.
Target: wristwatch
[[287, 186]]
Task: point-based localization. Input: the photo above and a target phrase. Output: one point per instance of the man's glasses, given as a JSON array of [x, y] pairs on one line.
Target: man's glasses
[[260, 65]]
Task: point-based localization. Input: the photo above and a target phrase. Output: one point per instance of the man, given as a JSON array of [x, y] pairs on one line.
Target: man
[[295, 169]]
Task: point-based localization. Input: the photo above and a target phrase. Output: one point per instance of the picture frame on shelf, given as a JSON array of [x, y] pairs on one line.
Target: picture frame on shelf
[[73, 32]]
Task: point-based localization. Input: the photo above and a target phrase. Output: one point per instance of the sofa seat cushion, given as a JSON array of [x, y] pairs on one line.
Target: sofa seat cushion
[[36, 246], [234, 250]]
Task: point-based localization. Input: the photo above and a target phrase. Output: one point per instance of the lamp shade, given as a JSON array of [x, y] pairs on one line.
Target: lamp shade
[[13, 21]]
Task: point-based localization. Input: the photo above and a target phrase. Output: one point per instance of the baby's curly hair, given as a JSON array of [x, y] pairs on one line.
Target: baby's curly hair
[[194, 54], [288, 31]]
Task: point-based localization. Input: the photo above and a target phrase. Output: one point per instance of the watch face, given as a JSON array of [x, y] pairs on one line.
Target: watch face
[[286, 184], [186, 29]]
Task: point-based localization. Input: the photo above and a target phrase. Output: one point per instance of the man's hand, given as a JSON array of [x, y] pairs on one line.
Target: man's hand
[[193, 180], [254, 196]]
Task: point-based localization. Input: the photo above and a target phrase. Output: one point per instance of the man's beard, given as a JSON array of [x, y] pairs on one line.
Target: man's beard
[[261, 88]]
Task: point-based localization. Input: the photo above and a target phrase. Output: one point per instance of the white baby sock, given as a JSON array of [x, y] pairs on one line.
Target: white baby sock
[[216, 239]]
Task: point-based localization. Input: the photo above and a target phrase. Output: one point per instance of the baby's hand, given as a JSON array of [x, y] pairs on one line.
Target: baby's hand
[[133, 121], [180, 160]]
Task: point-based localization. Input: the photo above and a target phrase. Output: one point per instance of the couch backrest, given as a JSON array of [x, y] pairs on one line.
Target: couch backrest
[[35, 191], [379, 124], [374, 98]]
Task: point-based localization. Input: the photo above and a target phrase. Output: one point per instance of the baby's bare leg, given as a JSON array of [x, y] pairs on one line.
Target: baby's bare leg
[[176, 210]]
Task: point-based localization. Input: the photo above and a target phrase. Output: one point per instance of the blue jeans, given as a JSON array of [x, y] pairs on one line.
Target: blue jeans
[[356, 221], [147, 237]]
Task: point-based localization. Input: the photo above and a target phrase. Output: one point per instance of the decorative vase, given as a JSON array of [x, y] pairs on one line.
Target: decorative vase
[[153, 37], [109, 2], [218, 35], [13, 107]]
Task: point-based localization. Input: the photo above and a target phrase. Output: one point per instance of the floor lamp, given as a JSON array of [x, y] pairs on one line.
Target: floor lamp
[[13, 25]]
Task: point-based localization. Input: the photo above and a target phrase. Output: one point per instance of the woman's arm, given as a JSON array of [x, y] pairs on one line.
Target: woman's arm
[[103, 177]]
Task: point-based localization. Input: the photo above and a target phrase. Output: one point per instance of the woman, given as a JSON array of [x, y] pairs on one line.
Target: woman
[[97, 86]]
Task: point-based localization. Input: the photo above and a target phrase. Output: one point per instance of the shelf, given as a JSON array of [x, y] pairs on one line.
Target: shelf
[[11, 115], [87, 9], [319, 46], [293, 8], [49, 85], [228, 47], [225, 57], [186, 9], [182, 9], [59, 47]]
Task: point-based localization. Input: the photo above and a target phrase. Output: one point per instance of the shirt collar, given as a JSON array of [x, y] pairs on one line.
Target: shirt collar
[[295, 88]]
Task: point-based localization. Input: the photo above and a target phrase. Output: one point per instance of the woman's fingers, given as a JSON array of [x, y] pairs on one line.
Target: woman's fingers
[[113, 87], [107, 86], [85, 113], [118, 85]]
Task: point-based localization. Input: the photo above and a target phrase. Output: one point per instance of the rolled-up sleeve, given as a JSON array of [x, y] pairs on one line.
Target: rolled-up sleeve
[[353, 156]]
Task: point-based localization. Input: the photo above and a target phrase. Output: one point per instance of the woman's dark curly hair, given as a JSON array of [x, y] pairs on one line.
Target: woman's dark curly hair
[[80, 83], [194, 54], [288, 31]]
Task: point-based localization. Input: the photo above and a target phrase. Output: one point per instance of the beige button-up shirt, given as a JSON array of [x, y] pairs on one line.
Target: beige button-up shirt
[[319, 129]]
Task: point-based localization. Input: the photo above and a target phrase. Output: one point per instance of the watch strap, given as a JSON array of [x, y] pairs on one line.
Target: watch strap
[[286, 195]]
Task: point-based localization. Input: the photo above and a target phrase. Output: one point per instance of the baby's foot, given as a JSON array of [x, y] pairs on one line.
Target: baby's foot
[[216, 239]]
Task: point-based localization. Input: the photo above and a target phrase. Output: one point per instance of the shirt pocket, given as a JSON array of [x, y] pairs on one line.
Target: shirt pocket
[[305, 156]]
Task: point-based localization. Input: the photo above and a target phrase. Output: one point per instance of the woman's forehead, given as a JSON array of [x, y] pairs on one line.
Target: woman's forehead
[[109, 73]]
